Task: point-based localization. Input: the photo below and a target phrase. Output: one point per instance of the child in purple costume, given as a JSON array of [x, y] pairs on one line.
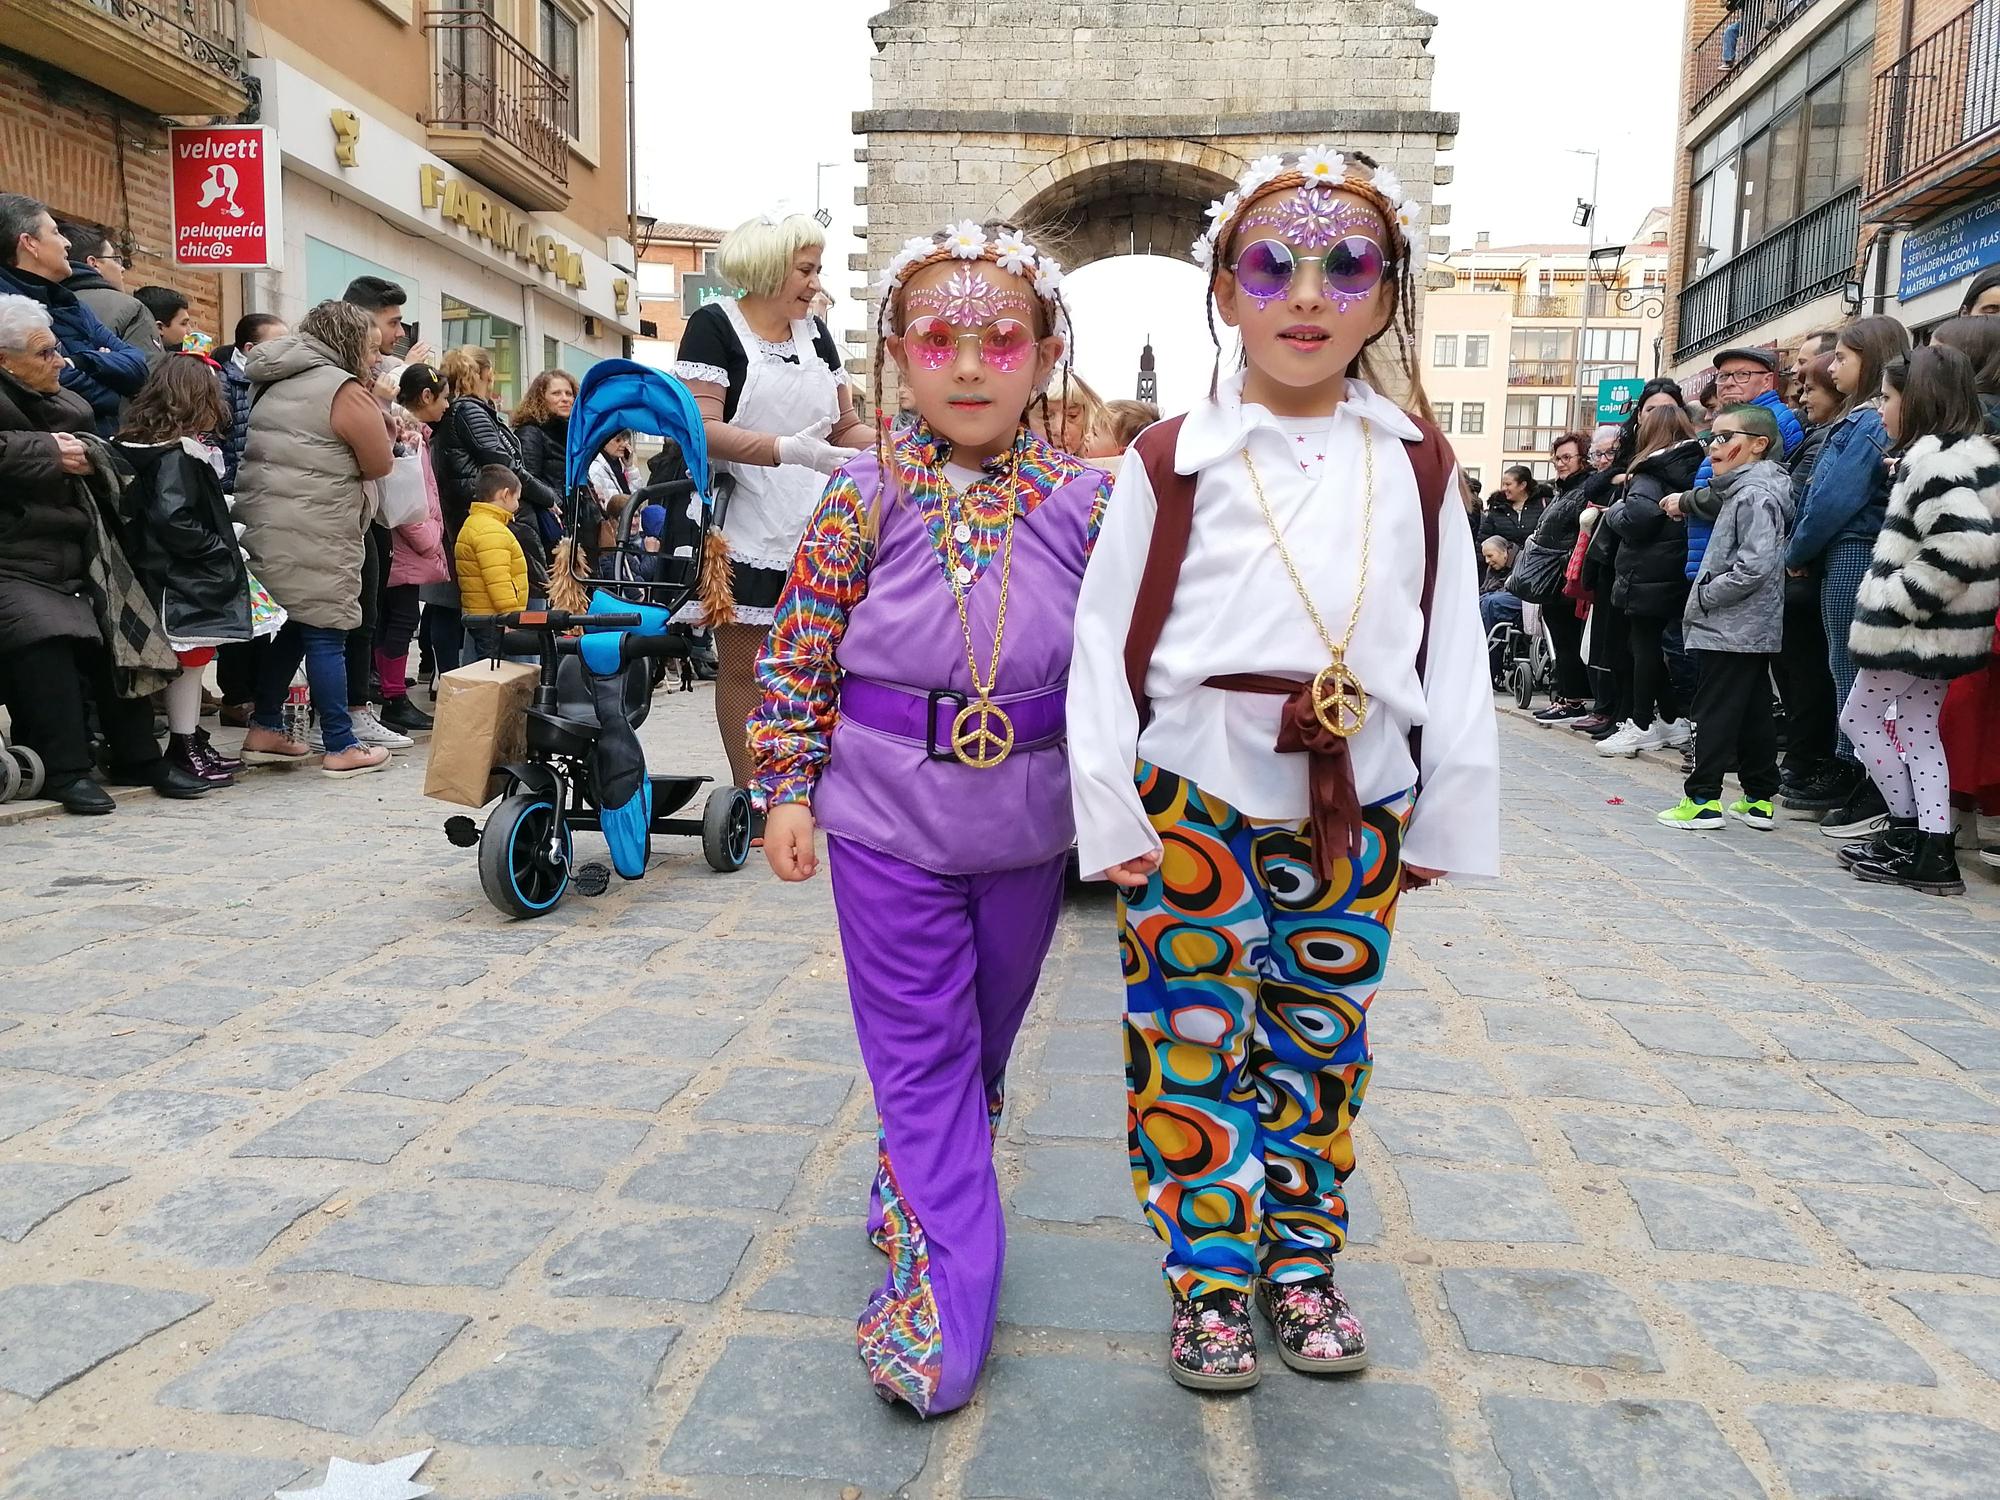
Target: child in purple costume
[[914, 686]]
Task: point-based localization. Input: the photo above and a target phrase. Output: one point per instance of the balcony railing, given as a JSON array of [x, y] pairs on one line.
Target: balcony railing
[[1541, 372], [1812, 255], [1940, 99], [1562, 306], [1737, 38], [491, 91], [173, 57]]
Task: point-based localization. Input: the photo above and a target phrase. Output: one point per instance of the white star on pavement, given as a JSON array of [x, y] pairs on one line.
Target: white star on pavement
[[384, 1481]]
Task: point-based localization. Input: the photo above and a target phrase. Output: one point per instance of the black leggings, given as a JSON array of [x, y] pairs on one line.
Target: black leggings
[[361, 641], [1652, 684], [1566, 637]]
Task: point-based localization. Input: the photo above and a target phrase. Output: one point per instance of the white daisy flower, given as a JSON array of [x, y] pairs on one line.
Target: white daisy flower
[[1013, 253], [1203, 252], [1388, 184], [1323, 166], [968, 240], [917, 246], [1262, 170], [1223, 209], [1048, 277], [1409, 214]]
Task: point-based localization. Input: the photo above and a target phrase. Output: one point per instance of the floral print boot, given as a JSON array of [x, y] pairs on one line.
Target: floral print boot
[[1212, 1347], [1317, 1331]]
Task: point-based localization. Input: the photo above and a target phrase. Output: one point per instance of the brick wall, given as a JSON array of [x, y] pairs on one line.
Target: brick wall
[[91, 156]]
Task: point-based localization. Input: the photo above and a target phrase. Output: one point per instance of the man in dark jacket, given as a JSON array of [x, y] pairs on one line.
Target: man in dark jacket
[[34, 263], [252, 329], [97, 276]]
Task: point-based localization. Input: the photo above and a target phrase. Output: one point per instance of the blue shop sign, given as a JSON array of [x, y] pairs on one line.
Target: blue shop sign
[[1951, 249]]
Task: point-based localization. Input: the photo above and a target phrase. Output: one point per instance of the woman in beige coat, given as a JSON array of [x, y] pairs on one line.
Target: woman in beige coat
[[315, 435]]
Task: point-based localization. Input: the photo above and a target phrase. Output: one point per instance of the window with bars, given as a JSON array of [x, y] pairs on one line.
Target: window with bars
[[1535, 422]]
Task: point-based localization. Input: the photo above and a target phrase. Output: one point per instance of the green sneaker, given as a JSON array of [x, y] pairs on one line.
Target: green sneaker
[[1693, 814], [1756, 814]]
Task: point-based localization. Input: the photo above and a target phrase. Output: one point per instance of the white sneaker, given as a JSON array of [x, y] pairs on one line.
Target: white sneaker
[[1628, 739], [1676, 735], [372, 731]]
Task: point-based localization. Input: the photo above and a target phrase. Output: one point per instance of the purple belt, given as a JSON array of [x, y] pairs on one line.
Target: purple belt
[[1039, 718]]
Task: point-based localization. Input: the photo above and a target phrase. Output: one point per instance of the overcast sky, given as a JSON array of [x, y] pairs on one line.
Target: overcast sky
[[734, 120]]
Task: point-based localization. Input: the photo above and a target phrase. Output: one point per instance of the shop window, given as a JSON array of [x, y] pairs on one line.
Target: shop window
[[468, 326], [577, 361], [330, 270], [560, 51], [1472, 418]]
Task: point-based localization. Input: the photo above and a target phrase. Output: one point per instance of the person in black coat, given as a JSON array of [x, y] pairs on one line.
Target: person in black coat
[[1650, 583], [541, 422], [34, 263], [1514, 510], [53, 660], [473, 435], [1557, 532], [181, 544]]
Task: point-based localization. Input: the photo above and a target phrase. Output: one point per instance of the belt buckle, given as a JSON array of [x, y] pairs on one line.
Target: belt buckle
[[959, 702]]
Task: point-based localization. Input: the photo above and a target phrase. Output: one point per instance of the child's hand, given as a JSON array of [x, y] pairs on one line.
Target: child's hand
[[788, 841], [1672, 506], [1134, 873]]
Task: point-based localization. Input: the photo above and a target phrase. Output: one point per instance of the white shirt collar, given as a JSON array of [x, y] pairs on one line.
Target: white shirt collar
[[1218, 427]]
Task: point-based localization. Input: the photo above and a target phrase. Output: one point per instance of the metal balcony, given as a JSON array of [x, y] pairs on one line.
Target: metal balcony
[[173, 57], [1558, 373], [1809, 257], [1937, 114], [1561, 305], [1737, 38], [496, 110]]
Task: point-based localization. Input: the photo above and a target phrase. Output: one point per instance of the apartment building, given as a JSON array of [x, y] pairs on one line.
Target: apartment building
[[476, 151], [677, 277], [1836, 157], [1519, 340]]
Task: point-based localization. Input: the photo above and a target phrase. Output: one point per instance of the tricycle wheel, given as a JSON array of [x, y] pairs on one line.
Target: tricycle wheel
[[33, 774], [1524, 683], [524, 855], [725, 829]]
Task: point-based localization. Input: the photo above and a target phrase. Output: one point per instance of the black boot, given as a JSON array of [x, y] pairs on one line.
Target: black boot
[[164, 777], [1930, 866], [82, 796], [1898, 838]]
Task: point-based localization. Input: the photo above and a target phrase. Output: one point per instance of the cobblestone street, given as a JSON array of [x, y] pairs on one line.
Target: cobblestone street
[[1680, 1175]]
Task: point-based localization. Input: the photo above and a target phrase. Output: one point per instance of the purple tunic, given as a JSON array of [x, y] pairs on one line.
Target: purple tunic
[[884, 791]]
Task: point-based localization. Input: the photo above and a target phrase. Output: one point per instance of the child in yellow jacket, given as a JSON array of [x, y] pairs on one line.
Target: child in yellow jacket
[[492, 569]]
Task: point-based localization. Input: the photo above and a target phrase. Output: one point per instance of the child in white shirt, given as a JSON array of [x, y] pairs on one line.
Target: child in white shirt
[[1279, 719]]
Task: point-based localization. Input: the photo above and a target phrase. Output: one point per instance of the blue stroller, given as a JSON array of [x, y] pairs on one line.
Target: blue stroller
[[584, 768]]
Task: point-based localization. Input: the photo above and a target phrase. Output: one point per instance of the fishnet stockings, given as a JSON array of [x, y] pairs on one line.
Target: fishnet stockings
[[736, 692]]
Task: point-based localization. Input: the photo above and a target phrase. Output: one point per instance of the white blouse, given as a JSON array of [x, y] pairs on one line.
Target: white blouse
[[1236, 611]]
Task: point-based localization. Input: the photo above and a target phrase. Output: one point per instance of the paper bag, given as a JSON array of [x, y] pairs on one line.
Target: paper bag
[[482, 722]]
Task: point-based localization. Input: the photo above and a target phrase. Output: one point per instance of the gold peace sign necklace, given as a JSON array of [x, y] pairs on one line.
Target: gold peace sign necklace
[[1339, 701], [982, 736]]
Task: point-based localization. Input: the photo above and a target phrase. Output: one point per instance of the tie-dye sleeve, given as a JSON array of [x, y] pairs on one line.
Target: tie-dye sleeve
[[791, 729], [1098, 503]]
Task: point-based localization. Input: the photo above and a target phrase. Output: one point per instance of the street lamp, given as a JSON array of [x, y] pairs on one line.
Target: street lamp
[[1585, 218], [820, 213]]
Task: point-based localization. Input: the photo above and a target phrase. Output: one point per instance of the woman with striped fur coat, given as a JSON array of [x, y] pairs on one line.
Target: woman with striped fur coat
[[1924, 614]]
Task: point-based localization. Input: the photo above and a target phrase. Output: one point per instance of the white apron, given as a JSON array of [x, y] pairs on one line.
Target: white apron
[[770, 509]]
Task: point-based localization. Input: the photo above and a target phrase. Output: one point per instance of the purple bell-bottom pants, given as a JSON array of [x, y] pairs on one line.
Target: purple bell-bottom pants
[[940, 970]]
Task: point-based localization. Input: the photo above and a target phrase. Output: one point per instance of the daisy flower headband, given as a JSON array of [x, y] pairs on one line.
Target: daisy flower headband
[[1323, 170], [970, 299]]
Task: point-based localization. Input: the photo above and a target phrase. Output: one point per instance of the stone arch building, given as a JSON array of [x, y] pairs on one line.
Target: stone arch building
[[1119, 121]]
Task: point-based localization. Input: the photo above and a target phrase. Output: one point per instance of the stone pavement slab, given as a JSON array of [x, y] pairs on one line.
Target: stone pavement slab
[[830, 1271], [152, 1120], [224, 1221], [1450, 1132], [461, 1235], [1975, 1157], [1562, 1317], [1298, 1449], [1906, 1233], [1057, 1427], [1649, 1144], [677, 1260], [1970, 1324], [148, 1474], [51, 1334], [551, 1150], [32, 1191], [559, 1083], [439, 1074], [26, 1102], [1821, 1153], [1619, 1450], [343, 1130], [1832, 1455], [723, 1169], [1779, 1331], [1510, 1207], [576, 1388], [1719, 1218], [339, 1369]]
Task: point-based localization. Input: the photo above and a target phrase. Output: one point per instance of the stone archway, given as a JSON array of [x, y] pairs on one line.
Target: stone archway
[[1120, 127]]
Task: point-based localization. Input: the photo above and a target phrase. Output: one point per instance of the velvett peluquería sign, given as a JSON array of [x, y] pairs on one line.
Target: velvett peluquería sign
[[227, 197]]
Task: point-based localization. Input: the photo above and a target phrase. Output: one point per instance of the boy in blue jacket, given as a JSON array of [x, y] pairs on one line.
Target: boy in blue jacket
[[34, 262]]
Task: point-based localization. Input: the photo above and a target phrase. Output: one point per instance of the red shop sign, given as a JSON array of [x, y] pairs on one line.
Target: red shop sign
[[227, 197]]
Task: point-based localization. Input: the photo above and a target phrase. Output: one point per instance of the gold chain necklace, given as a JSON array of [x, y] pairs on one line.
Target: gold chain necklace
[[982, 736], [1339, 701]]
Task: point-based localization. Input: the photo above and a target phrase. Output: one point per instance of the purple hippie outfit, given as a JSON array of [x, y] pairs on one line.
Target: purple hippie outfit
[[947, 878]]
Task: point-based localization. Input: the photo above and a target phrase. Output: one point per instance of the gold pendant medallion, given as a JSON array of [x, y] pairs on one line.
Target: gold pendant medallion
[[1339, 701], [982, 736]]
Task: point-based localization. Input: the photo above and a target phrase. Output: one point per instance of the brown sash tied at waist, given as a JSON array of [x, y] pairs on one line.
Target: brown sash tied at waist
[[1338, 829]]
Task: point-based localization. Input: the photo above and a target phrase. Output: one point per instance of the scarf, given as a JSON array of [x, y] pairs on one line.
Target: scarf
[[141, 660]]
